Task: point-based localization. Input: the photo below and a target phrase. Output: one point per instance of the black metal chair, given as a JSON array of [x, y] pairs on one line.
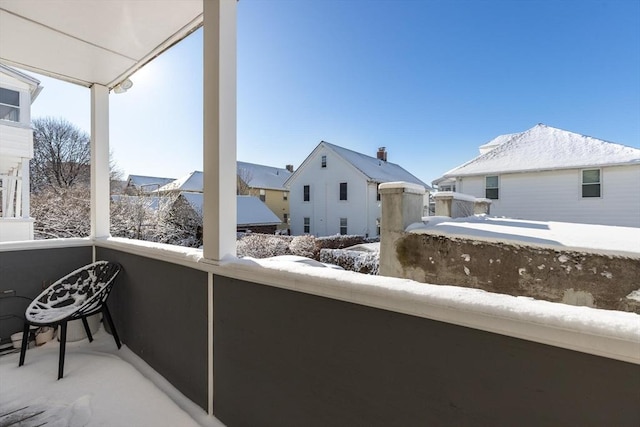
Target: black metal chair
[[78, 295]]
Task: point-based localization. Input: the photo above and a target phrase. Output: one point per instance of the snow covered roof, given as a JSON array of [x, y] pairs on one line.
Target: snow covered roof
[[374, 169], [600, 238], [261, 176], [148, 183], [250, 210], [545, 148], [190, 182]]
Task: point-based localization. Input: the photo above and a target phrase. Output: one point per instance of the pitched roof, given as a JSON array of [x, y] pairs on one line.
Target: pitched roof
[[190, 182], [374, 169], [141, 181], [250, 210], [544, 148], [261, 176]]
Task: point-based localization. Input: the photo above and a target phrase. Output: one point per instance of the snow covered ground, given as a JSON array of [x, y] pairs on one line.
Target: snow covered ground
[[102, 386], [599, 238]]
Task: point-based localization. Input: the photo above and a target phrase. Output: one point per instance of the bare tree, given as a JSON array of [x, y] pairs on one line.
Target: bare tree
[[244, 180], [61, 154]]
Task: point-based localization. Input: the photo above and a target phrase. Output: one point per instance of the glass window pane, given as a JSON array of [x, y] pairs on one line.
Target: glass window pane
[[491, 193], [9, 113], [9, 97], [491, 182], [591, 176], [591, 190]]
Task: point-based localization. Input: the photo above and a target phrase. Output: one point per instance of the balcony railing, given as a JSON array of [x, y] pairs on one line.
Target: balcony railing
[[312, 346]]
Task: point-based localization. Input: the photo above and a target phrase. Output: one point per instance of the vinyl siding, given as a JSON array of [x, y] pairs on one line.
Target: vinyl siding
[[557, 196]]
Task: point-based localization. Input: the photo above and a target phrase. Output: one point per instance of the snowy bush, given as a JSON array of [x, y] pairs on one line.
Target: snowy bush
[[263, 245], [358, 261], [339, 241], [304, 246]]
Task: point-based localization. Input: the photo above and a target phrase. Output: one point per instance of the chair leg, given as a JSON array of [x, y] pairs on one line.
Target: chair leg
[[63, 342], [25, 343], [87, 329], [107, 315]]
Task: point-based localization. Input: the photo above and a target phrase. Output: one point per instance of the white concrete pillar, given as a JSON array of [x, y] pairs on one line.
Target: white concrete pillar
[[402, 205], [99, 161], [219, 42]]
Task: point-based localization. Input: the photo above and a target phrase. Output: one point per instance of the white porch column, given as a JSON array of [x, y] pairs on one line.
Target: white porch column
[[99, 161], [219, 216]]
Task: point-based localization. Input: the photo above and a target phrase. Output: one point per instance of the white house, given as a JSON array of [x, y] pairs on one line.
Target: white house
[[335, 191], [551, 174], [17, 92]]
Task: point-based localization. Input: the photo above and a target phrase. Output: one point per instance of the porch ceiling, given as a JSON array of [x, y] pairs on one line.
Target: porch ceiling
[[92, 41]]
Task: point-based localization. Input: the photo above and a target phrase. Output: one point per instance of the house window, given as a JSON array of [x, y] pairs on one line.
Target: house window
[[343, 191], [591, 183], [285, 218], [324, 161], [9, 105], [285, 195], [263, 195], [491, 187], [307, 224], [343, 226], [305, 193]]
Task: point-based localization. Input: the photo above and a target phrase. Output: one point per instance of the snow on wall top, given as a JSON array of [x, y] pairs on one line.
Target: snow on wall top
[[376, 170], [261, 176], [601, 238], [542, 148], [250, 210]]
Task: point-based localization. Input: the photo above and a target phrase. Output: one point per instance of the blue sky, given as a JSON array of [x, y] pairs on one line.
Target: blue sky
[[429, 80]]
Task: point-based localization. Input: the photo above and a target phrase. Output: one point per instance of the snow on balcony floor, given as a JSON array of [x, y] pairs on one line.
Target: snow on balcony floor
[[101, 387]]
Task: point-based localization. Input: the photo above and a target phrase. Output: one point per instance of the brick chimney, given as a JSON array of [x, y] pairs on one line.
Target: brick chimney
[[382, 154], [289, 168]]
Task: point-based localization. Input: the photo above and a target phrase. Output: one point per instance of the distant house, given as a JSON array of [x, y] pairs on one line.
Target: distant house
[[550, 174], [335, 191], [252, 214], [266, 183], [140, 184], [17, 92]]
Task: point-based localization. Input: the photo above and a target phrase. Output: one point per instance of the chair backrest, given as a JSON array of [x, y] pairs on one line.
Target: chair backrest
[[77, 294]]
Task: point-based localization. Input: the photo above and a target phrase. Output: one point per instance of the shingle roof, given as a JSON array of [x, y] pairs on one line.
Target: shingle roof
[[544, 148], [250, 210], [189, 182], [141, 181], [261, 176]]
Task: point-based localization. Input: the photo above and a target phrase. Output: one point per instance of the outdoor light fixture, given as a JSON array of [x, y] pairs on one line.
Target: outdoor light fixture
[[122, 87]]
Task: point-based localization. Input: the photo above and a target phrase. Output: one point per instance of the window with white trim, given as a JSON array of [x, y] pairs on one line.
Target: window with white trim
[[263, 195], [323, 162], [491, 187], [591, 185], [343, 226], [343, 191], [9, 105], [307, 225], [306, 193]]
